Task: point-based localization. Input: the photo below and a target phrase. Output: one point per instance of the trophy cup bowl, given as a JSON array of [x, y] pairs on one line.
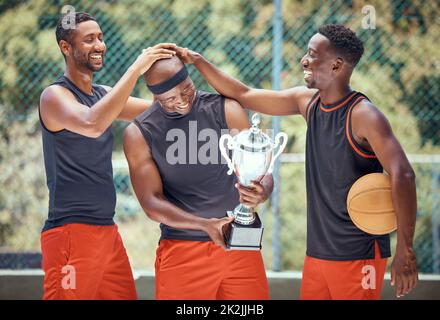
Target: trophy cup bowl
[[253, 156]]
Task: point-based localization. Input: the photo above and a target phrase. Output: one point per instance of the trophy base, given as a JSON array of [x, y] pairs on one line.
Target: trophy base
[[242, 215], [244, 237]]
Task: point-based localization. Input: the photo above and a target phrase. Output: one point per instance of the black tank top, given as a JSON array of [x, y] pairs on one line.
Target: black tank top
[[200, 187], [334, 161], [79, 170]]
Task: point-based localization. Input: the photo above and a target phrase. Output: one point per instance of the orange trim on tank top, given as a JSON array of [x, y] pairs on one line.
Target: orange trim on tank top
[[359, 152], [339, 105], [311, 103]]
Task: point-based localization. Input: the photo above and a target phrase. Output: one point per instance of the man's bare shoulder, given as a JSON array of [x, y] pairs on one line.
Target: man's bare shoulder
[[132, 134], [367, 119], [233, 105], [236, 117], [53, 94], [366, 111], [134, 143]]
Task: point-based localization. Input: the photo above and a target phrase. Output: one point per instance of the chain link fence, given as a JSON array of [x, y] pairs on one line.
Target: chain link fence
[[399, 72]]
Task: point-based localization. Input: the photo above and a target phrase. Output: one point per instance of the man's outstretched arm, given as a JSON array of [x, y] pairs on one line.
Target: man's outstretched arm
[[147, 185], [284, 102]]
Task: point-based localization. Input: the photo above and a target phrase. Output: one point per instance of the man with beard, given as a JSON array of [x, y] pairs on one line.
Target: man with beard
[[347, 137], [83, 254]]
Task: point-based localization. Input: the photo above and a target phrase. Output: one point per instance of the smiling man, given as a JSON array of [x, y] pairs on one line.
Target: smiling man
[[83, 254], [190, 198], [347, 137]]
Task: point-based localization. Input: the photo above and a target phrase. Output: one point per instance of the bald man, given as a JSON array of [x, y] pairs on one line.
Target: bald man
[[180, 182]]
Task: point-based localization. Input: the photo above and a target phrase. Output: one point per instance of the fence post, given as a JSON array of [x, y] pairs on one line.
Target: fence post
[[435, 219], [277, 53]]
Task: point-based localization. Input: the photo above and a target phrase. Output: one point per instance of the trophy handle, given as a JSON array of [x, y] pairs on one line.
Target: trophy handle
[[281, 146], [230, 144]]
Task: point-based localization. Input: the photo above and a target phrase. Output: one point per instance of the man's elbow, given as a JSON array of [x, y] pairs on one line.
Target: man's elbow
[[96, 132], [406, 175], [149, 204], [410, 175], [92, 128], [150, 214]]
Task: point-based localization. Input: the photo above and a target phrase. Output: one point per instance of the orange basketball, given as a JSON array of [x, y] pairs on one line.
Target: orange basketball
[[370, 205]]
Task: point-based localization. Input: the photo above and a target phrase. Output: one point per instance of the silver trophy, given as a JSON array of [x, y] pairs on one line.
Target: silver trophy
[[253, 156]]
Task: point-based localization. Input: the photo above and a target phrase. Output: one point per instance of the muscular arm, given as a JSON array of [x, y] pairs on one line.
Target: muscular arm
[[372, 130], [133, 107], [60, 110], [284, 102], [236, 118], [147, 185]]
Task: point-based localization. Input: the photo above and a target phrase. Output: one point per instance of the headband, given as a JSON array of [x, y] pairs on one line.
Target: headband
[[169, 83]]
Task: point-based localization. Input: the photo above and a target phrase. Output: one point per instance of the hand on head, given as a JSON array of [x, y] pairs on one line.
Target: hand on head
[[186, 55], [150, 55]]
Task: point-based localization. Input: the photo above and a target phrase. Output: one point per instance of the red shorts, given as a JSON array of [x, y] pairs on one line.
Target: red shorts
[[86, 262], [343, 280], [193, 270]]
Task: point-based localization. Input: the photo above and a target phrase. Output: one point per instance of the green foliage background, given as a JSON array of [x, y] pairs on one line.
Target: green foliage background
[[399, 73]]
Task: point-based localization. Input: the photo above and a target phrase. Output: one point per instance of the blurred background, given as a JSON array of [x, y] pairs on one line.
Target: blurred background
[[257, 41]]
